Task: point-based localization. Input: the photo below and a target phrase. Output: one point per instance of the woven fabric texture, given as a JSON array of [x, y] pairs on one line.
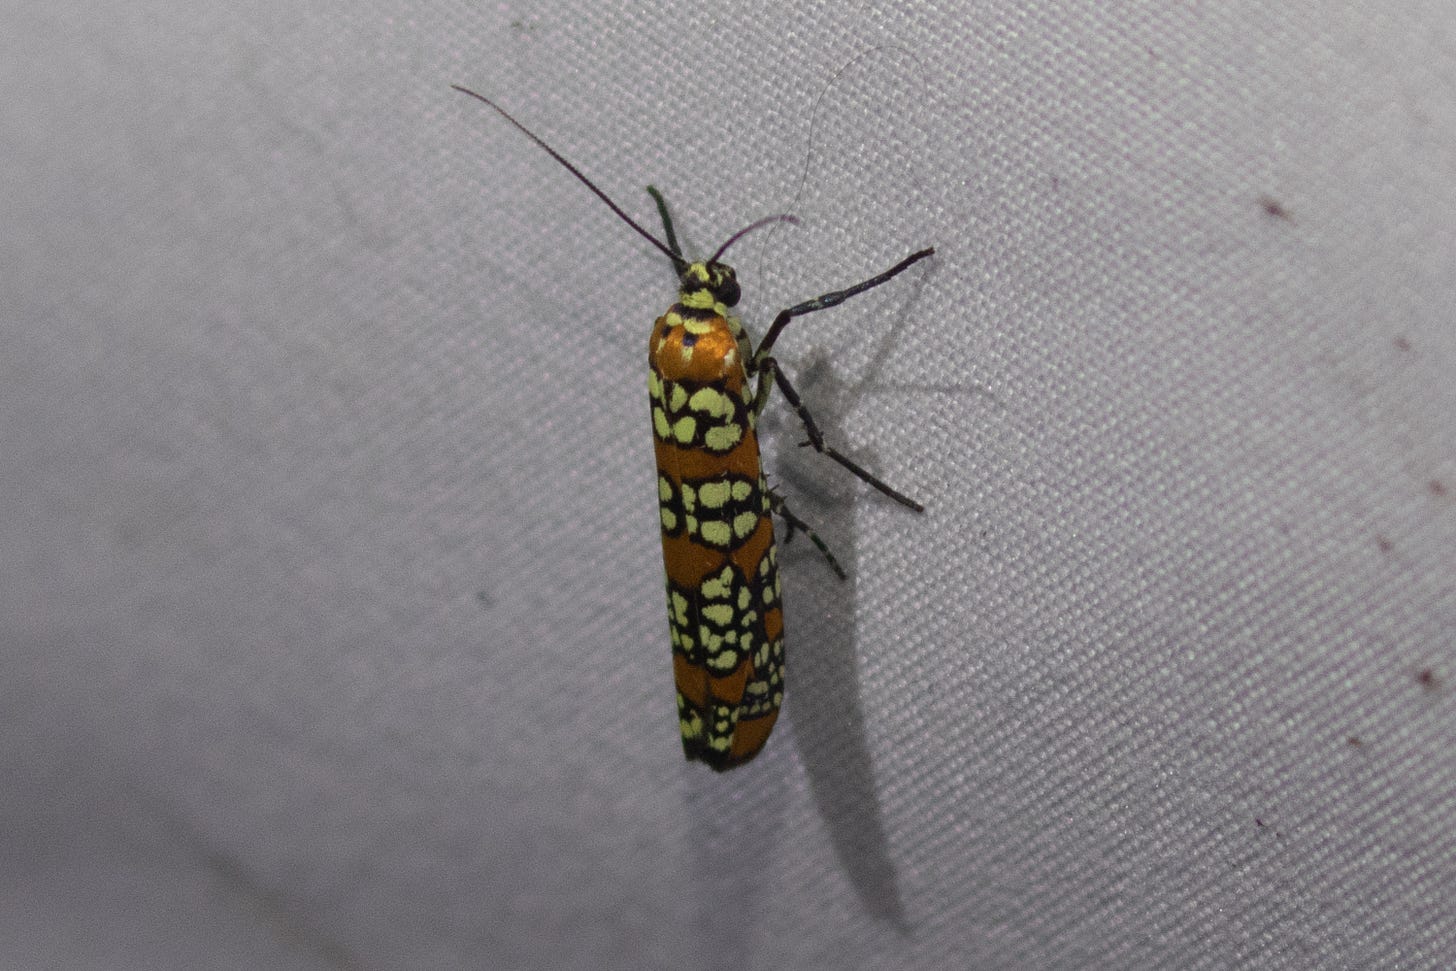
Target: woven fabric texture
[[330, 587]]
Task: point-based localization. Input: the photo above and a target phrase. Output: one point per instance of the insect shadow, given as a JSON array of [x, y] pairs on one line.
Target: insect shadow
[[738, 830], [825, 710]]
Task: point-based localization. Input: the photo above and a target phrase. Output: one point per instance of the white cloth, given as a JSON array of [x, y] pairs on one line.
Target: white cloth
[[329, 581]]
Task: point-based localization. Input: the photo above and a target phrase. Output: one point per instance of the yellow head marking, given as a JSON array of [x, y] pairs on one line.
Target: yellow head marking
[[709, 284]]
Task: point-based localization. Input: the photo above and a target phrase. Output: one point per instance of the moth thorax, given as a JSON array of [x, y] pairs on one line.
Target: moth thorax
[[715, 279]]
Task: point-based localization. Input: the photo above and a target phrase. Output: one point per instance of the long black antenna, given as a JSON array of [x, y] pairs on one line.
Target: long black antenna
[[765, 221], [677, 260]]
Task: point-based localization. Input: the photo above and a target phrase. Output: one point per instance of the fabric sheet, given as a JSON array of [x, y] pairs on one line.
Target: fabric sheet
[[330, 587]]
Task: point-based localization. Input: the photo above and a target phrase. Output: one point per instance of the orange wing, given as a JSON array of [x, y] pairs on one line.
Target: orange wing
[[723, 605]]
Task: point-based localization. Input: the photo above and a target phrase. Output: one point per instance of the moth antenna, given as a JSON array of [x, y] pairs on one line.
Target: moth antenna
[[765, 221], [676, 260]]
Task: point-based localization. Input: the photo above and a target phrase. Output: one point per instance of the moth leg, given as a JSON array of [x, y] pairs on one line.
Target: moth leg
[[794, 524], [769, 373]]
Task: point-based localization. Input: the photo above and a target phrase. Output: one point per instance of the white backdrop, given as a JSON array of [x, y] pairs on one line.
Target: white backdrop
[[329, 584]]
